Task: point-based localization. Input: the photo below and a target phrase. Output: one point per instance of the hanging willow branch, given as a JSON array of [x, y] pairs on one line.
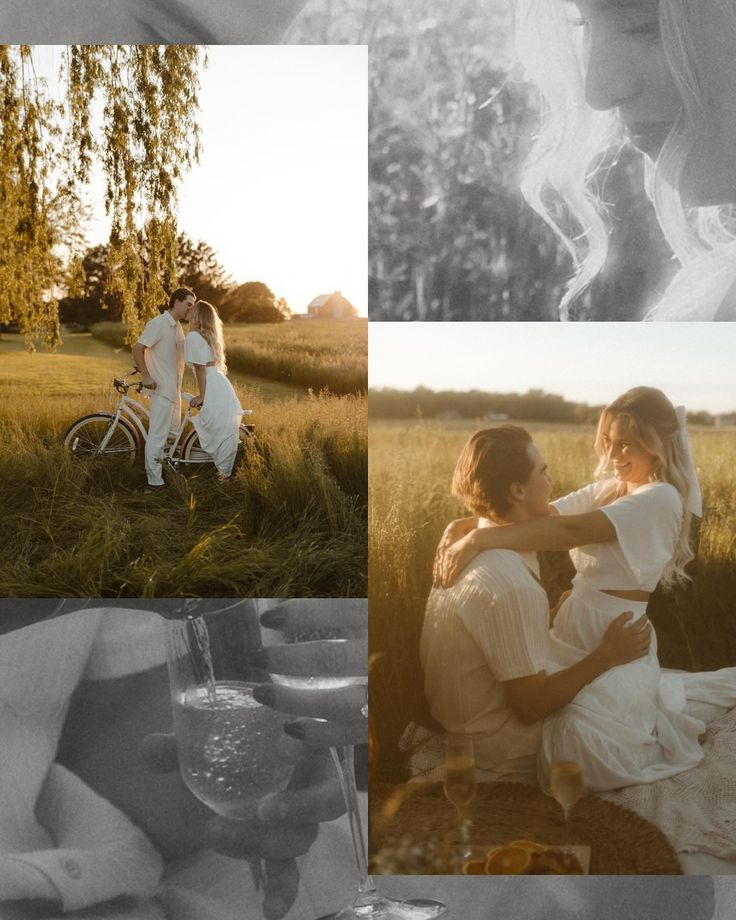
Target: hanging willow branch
[[131, 111], [30, 213]]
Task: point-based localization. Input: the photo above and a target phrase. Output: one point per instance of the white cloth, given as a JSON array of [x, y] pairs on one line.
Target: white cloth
[[58, 839], [164, 421], [163, 338], [696, 810], [629, 726], [218, 421], [488, 628]]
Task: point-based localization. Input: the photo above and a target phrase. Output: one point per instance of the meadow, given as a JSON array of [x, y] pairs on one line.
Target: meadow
[[290, 522], [411, 466], [317, 354]]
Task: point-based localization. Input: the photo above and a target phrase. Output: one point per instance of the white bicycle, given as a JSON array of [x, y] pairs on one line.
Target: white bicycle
[[122, 434]]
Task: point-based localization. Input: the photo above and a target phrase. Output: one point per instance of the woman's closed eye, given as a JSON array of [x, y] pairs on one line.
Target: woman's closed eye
[[643, 24]]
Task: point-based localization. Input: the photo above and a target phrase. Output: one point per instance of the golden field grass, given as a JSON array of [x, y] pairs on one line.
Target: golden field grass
[[411, 466], [315, 354], [291, 522]]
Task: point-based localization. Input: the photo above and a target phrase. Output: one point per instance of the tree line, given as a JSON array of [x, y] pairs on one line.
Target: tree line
[[195, 265], [534, 405]]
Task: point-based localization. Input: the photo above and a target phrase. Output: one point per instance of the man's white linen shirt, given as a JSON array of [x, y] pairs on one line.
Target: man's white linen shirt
[[488, 628], [164, 339]]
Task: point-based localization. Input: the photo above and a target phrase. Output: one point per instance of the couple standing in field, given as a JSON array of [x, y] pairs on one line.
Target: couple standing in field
[[581, 682], [160, 354]]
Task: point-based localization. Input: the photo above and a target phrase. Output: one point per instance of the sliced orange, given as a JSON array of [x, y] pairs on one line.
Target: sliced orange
[[474, 867], [508, 860], [530, 846]]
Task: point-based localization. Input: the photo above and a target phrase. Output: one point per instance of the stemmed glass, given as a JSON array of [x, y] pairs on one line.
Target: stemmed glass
[[229, 745], [459, 779], [566, 785], [368, 904]]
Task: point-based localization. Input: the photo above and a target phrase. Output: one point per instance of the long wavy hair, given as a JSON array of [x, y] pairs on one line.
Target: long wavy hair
[[573, 140], [654, 423], [205, 320]]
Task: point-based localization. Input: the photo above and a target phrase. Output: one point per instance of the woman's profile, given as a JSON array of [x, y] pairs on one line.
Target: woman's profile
[[660, 76]]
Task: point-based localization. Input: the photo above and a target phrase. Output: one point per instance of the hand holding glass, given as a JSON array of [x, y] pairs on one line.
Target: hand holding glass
[[324, 634]]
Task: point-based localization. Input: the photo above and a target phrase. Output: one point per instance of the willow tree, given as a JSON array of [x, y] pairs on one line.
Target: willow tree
[[130, 111]]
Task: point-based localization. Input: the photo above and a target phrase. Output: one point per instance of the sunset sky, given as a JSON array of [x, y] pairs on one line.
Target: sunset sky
[[281, 190], [585, 362]]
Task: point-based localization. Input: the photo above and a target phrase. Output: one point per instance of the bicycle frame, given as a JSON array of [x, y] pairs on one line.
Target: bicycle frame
[[133, 415], [137, 415]]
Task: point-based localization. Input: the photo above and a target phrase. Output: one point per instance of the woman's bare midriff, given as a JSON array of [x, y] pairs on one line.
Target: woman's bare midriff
[[630, 595]]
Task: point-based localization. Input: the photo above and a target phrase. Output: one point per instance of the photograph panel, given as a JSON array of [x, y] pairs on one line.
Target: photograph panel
[[581, 698], [546, 160], [153, 190], [182, 758]]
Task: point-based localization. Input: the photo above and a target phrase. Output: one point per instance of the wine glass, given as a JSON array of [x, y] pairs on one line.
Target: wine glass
[[230, 747], [368, 903], [566, 784], [459, 779]]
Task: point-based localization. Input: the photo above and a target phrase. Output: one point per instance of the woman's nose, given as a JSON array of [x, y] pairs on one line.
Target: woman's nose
[[610, 78]]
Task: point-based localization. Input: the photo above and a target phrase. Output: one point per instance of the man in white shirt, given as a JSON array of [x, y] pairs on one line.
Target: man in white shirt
[[159, 356], [484, 640]]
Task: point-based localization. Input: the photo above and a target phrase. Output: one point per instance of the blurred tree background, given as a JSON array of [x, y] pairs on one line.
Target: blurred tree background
[[145, 138], [451, 238]]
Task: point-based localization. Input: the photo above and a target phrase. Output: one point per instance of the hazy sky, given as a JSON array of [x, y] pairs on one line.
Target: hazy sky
[[281, 191], [694, 363]]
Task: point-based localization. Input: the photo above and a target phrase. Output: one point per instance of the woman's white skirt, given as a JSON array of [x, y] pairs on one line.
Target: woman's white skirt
[[633, 724], [218, 421]]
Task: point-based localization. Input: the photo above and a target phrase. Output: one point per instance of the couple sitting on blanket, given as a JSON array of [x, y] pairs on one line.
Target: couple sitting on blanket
[[581, 682]]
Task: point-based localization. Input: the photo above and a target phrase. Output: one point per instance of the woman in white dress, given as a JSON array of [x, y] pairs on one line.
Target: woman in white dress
[[626, 535], [660, 75], [218, 422]]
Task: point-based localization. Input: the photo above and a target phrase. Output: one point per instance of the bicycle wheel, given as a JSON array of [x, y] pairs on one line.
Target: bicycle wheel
[[85, 436], [192, 451]]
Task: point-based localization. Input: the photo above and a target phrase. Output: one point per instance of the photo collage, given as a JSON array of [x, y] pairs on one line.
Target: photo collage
[[367, 460]]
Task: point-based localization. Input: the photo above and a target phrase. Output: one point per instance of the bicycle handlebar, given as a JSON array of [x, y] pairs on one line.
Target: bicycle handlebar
[[121, 383]]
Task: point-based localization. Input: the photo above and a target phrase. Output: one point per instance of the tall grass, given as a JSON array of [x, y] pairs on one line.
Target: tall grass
[[291, 522], [409, 485], [317, 354]]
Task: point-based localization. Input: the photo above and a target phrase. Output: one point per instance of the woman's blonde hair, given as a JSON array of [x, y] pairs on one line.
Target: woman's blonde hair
[[654, 424], [574, 139], [206, 321]]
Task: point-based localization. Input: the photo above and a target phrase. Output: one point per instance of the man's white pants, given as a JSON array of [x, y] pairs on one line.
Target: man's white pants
[[165, 419]]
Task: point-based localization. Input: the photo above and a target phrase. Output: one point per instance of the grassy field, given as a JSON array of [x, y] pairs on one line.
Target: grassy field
[[411, 466], [314, 354], [291, 522]]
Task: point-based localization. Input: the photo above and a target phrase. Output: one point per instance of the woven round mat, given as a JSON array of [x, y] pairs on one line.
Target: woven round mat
[[621, 841]]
